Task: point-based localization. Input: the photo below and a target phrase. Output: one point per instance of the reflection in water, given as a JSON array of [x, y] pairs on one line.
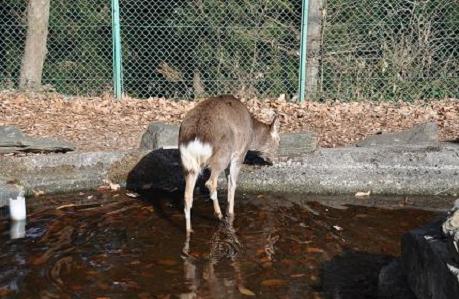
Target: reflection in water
[[106, 244], [224, 245], [18, 229]]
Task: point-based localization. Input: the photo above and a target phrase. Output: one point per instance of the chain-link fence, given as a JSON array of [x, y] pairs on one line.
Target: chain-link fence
[[390, 49], [365, 49], [204, 47], [79, 46]]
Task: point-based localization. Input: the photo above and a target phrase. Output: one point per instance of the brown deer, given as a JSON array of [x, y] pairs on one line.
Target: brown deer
[[217, 134]]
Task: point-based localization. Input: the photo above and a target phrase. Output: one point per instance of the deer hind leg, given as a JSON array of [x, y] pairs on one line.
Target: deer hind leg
[[217, 164], [211, 184], [232, 174], [190, 181]]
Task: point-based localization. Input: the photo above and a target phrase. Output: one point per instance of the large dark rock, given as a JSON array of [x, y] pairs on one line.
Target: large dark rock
[[428, 265], [421, 136], [160, 135], [12, 140]]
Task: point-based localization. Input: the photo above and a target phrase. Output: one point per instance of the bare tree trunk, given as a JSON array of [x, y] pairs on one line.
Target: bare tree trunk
[[35, 45], [198, 85], [314, 45]]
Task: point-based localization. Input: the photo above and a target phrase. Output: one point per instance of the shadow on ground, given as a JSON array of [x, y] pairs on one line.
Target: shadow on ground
[[161, 170]]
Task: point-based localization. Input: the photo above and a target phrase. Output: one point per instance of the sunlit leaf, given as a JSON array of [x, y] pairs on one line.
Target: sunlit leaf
[[245, 291], [273, 282]]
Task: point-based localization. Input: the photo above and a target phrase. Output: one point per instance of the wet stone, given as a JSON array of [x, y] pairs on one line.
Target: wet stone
[[160, 135], [10, 132], [297, 144], [423, 136], [12, 140]]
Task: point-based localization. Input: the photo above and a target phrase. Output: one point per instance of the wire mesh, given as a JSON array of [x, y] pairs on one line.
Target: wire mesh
[[206, 47], [390, 49], [367, 49], [79, 46], [12, 35]]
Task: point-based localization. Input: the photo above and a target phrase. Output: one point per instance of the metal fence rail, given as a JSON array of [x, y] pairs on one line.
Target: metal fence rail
[[357, 50]]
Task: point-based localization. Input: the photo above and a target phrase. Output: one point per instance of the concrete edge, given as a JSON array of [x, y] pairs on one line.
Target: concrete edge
[[326, 171]]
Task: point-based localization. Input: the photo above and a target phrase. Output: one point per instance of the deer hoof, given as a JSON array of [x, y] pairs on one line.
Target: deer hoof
[[219, 216]]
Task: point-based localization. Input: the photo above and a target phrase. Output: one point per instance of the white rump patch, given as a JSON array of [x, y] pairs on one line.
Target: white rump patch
[[195, 154]]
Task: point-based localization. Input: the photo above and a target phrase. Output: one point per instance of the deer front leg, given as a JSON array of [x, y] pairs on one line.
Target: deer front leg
[[190, 181], [232, 175]]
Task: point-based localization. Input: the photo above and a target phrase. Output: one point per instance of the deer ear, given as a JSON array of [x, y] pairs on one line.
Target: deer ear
[[275, 124]]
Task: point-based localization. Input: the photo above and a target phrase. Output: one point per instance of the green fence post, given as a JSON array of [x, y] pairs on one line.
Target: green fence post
[[303, 49], [117, 59]]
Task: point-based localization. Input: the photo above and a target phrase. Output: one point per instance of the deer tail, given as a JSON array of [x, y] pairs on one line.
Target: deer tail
[[194, 155]]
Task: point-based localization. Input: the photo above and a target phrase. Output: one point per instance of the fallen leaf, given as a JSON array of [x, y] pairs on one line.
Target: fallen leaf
[[167, 262], [337, 227], [151, 209], [112, 186], [65, 206], [363, 194], [133, 195], [314, 250], [245, 291], [115, 187], [38, 193], [273, 282]]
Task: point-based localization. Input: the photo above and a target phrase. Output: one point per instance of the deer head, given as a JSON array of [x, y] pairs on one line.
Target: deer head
[[266, 139]]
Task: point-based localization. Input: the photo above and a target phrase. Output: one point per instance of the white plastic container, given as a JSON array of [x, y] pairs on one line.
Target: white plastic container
[[17, 207]]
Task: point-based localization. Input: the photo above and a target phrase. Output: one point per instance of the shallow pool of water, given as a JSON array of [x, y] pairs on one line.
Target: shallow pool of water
[[110, 245]]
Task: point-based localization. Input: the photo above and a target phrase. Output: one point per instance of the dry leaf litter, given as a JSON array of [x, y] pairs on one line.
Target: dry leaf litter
[[101, 123]]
